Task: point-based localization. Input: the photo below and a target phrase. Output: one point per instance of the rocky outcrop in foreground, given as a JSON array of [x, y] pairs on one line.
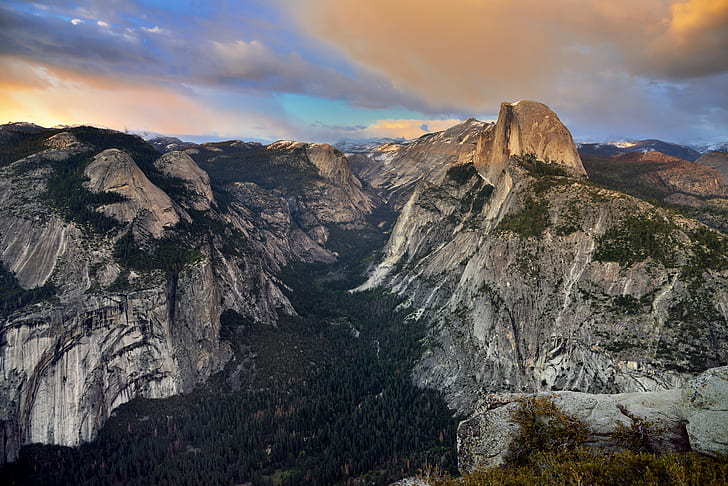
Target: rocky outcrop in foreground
[[693, 418]]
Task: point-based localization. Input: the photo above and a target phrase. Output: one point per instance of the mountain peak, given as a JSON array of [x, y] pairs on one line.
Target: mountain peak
[[526, 127]]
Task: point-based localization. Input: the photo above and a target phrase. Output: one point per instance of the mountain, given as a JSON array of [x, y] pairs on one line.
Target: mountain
[[530, 277], [641, 146], [711, 147], [717, 161], [394, 168], [217, 280], [365, 146], [169, 144], [696, 190], [118, 263]]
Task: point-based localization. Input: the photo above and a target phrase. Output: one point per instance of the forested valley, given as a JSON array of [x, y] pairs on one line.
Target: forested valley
[[322, 398]]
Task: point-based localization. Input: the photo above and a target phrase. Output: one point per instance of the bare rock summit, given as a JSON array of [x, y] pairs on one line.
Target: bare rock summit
[[523, 128], [115, 171]]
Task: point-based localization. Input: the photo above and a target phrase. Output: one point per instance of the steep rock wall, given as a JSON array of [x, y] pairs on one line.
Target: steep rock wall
[[529, 278]]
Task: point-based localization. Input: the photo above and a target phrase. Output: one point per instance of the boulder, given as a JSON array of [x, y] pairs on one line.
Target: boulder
[[694, 418], [705, 405]]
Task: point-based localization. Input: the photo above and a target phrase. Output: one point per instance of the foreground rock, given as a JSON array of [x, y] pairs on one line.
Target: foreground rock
[[695, 418]]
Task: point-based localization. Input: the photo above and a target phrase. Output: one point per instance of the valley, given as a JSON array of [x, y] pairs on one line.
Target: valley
[[240, 313]]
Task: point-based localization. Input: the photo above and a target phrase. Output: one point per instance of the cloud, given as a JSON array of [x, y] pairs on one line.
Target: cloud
[[247, 66], [655, 66], [153, 30], [472, 54], [482, 52], [51, 96], [53, 42], [254, 66]]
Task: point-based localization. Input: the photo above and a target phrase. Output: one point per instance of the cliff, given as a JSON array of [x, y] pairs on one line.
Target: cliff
[[530, 278], [121, 260]]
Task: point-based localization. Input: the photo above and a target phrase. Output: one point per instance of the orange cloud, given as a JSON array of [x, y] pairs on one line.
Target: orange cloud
[[52, 96], [698, 14], [478, 53]]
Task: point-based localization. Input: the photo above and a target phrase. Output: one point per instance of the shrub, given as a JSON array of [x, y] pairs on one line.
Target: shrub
[[582, 467], [544, 428], [635, 437], [636, 239], [539, 168]]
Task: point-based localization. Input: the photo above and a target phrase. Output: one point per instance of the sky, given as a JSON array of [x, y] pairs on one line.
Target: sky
[[332, 70]]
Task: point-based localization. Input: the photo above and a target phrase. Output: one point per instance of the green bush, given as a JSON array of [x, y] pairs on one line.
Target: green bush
[[168, 254], [539, 168], [13, 296], [582, 467], [545, 428], [462, 173]]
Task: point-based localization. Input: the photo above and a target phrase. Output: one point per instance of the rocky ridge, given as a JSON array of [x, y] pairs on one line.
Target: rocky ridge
[[640, 146], [394, 168], [694, 189], [717, 161], [139, 272], [530, 278]]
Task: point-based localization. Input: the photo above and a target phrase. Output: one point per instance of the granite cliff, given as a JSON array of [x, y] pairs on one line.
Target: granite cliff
[[531, 278], [118, 261], [394, 168]]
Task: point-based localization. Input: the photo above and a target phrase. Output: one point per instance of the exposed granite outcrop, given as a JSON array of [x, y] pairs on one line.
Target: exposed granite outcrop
[[694, 418], [179, 165], [526, 127], [115, 171]]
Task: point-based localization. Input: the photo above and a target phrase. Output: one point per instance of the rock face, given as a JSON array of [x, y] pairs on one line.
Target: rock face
[[705, 404], [181, 166], [339, 197], [121, 326], [528, 278], [115, 171], [694, 418], [314, 181], [526, 127], [717, 161], [393, 169], [65, 368]]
